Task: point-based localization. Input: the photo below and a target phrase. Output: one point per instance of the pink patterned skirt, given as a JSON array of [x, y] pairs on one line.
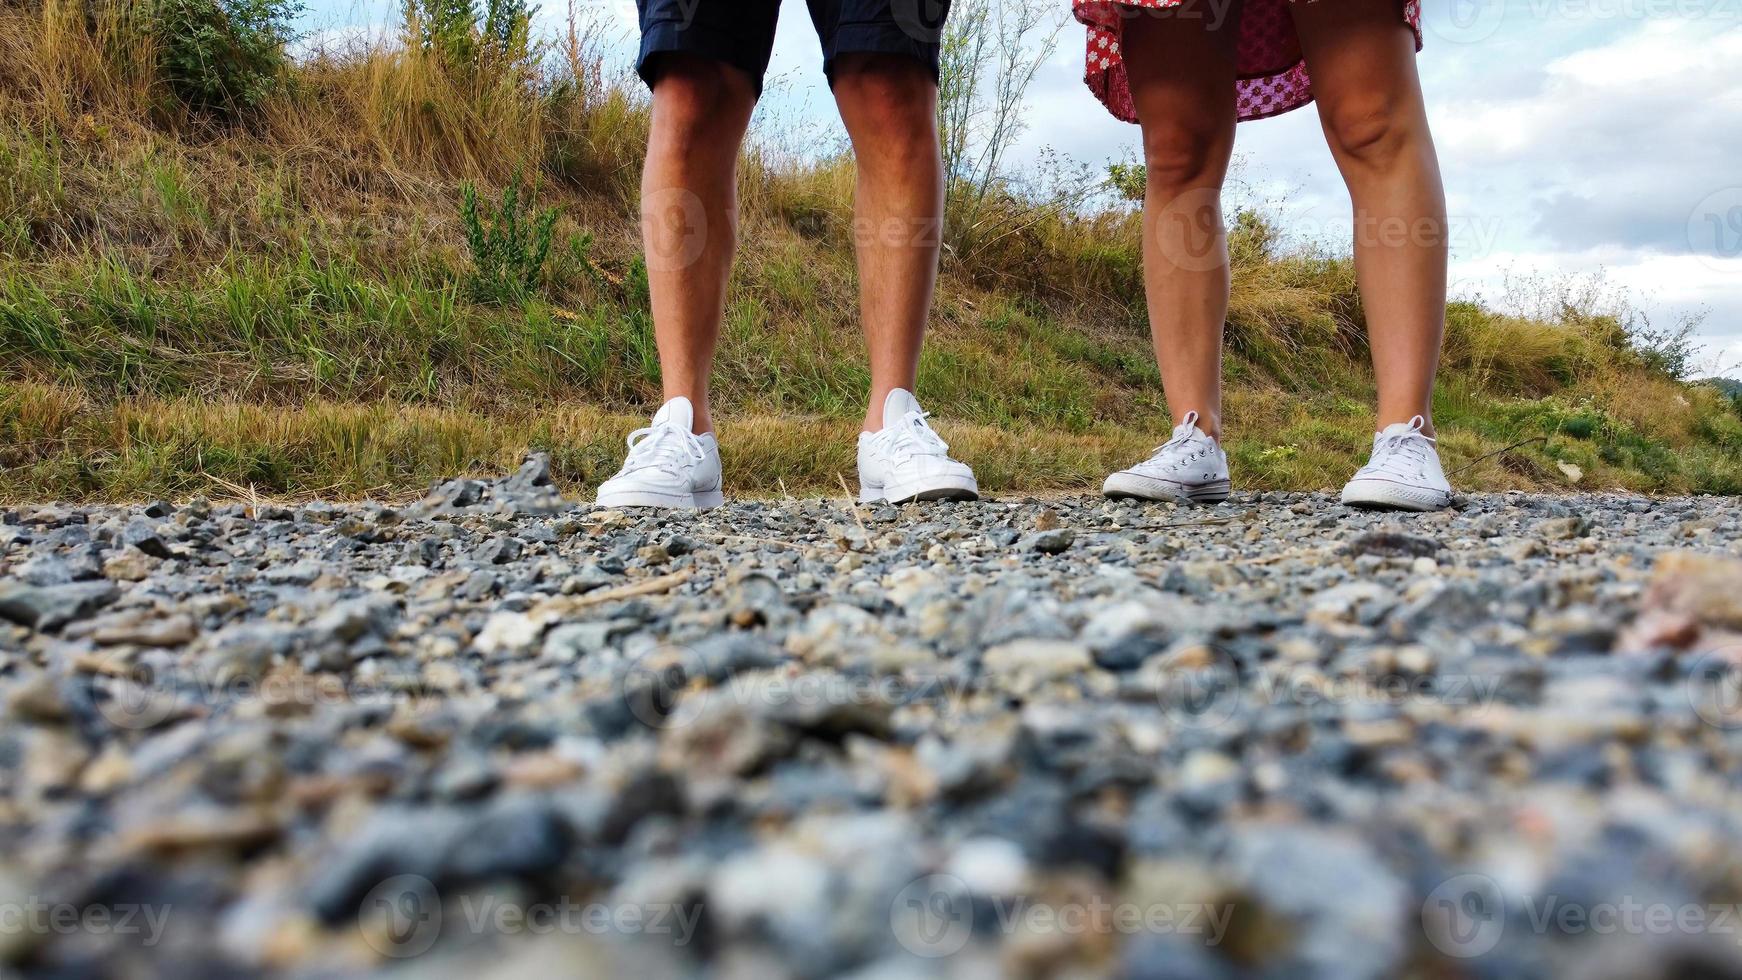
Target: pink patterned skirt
[[1272, 75]]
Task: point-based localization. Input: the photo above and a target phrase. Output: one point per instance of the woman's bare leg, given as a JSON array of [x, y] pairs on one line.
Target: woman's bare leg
[[1181, 70], [1362, 58]]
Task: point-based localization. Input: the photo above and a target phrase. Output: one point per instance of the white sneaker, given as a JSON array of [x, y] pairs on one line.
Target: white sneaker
[[668, 466], [1188, 467], [1403, 474], [907, 461]]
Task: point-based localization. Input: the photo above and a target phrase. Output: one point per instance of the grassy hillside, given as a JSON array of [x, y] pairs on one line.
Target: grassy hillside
[[223, 270]]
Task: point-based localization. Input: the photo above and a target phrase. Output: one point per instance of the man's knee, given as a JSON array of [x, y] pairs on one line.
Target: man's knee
[[889, 95], [700, 95]]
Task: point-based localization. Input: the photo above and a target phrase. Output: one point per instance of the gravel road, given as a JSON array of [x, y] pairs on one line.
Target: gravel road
[[494, 733]]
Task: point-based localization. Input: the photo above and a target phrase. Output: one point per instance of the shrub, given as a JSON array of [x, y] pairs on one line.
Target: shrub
[[223, 57], [1671, 350], [473, 42], [509, 245], [1129, 180]]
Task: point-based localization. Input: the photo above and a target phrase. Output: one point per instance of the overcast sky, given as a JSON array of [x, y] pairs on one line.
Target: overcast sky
[[1576, 136]]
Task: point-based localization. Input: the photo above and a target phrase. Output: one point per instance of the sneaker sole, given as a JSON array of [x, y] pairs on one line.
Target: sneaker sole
[[945, 490], [1385, 495], [1122, 487], [701, 500]]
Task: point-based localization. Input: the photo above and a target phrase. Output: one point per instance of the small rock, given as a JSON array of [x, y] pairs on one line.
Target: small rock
[[498, 551], [509, 632], [1053, 542], [1564, 528], [168, 631], [129, 566], [49, 607], [1041, 660], [1390, 544], [533, 475], [40, 700], [142, 534]]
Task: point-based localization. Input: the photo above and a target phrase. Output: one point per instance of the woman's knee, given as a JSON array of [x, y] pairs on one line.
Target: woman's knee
[[1182, 151], [1370, 129]]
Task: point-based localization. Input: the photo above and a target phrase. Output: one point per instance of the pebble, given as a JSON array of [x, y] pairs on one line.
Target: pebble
[[1051, 542], [49, 607]]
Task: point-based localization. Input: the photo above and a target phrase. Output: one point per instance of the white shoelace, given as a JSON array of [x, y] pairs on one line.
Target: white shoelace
[[664, 446], [1183, 435], [1411, 444], [912, 436]]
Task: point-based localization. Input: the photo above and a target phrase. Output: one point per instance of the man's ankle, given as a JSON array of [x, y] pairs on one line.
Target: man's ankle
[[701, 413]]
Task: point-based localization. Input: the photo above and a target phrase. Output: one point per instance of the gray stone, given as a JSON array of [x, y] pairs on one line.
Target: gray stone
[[1053, 542], [49, 607]]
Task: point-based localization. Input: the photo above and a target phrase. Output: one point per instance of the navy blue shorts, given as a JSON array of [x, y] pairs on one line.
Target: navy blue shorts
[[741, 32]]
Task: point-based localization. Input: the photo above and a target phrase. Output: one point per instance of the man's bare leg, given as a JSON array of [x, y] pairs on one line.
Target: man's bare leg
[[689, 215], [889, 105]]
